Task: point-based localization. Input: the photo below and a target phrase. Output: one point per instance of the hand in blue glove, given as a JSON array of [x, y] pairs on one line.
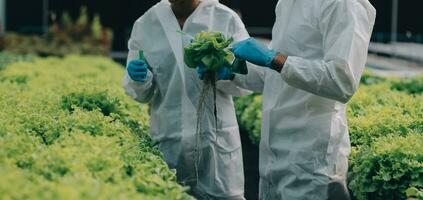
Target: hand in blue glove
[[254, 52], [201, 71], [137, 70], [224, 73]]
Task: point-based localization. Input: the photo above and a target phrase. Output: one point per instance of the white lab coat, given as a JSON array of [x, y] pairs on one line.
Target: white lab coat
[[172, 89], [305, 144]]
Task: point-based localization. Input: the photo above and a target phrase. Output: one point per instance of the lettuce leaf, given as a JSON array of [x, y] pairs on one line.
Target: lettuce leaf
[[209, 49]]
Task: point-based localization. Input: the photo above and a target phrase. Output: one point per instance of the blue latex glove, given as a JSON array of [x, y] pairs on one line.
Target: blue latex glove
[[254, 52], [224, 73], [137, 70], [201, 71]]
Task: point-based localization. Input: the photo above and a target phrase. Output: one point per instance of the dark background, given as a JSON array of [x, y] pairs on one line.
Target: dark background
[[27, 16]]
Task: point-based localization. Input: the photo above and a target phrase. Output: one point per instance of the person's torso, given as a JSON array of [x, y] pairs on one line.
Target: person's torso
[[174, 105], [296, 122]]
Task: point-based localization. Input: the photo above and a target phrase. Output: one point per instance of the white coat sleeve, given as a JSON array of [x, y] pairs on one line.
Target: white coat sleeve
[[238, 32], [346, 27], [243, 85], [253, 81], [141, 92]]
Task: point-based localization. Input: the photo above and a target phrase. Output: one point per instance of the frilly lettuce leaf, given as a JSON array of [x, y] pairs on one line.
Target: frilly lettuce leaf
[[209, 49]]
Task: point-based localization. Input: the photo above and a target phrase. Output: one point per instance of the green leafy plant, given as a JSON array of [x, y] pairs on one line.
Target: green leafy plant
[[92, 100], [83, 17], [70, 132], [253, 114], [82, 36], [208, 50], [388, 168], [413, 192], [376, 111], [410, 85], [249, 115], [96, 27]]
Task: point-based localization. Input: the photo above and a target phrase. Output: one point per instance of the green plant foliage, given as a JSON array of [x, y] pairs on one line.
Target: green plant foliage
[[241, 103], [83, 16], [70, 132], [96, 27], [92, 100], [209, 49], [249, 115], [84, 36], [376, 111], [251, 118], [388, 168], [413, 192], [411, 85]]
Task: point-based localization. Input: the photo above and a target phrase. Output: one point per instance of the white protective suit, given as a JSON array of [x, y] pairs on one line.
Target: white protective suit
[[172, 89], [305, 143]]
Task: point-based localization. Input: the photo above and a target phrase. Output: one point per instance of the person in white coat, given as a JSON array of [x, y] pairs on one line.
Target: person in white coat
[[172, 90], [307, 75]]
